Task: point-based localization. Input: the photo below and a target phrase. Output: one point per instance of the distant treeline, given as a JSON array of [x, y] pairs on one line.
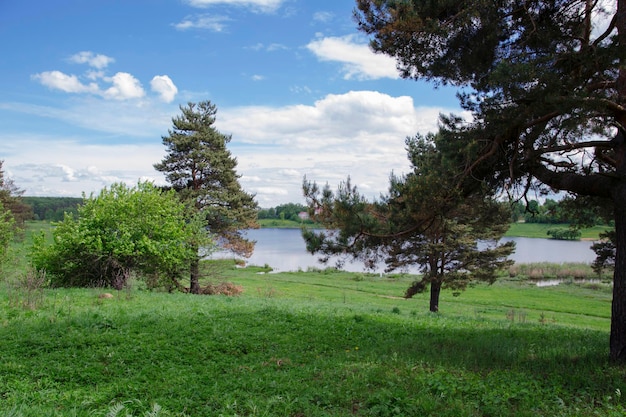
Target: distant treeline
[[52, 208], [551, 212], [289, 211]]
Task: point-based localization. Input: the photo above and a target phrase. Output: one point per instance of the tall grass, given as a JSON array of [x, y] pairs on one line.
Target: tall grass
[[320, 344], [315, 343]]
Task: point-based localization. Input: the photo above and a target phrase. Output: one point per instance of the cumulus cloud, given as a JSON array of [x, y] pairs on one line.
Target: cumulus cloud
[[164, 86], [121, 86], [358, 134], [204, 21], [357, 59], [57, 80], [98, 61], [264, 6], [124, 86], [357, 115], [46, 170]]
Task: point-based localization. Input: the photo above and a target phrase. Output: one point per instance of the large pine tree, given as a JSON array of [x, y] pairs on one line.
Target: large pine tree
[[202, 170], [430, 219], [545, 82]]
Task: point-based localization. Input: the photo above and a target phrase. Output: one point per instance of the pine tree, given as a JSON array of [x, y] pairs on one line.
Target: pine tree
[[202, 170], [449, 229], [545, 84]]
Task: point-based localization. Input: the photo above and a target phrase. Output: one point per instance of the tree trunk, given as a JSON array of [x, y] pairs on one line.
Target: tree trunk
[[194, 282], [617, 353], [618, 307], [617, 344], [435, 290]]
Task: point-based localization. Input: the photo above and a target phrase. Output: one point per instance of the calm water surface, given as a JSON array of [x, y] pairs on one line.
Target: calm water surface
[[284, 250]]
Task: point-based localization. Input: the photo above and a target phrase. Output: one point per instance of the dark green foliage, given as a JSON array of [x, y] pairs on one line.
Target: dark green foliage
[[288, 211], [562, 233], [605, 251], [7, 232], [120, 231], [545, 83], [432, 218], [203, 172], [52, 208], [11, 199]]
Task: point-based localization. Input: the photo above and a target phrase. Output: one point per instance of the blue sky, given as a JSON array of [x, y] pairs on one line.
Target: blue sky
[[90, 87]]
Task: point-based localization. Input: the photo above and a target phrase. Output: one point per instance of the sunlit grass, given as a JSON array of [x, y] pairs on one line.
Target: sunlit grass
[[313, 343], [540, 230]]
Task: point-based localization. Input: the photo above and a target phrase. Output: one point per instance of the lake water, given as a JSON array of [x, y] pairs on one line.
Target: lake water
[[284, 250]]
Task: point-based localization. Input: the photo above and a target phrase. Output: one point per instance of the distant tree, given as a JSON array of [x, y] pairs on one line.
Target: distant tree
[[7, 230], [269, 213], [202, 170], [52, 208], [290, 211], [11, 199], [545, 83], [120, 231], [426, 220]]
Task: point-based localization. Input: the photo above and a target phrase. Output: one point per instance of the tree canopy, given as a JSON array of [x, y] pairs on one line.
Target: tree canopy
[[425, 220], [7, 231], [120, 231], [11, 199], [202, 170], [545, 83]]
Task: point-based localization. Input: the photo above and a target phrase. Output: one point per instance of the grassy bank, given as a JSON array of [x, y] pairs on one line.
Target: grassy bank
[[540, 230], [311, 343], [317, 343]]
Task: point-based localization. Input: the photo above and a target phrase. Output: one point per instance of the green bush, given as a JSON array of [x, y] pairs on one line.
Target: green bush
[[561, 233], [121, 231]]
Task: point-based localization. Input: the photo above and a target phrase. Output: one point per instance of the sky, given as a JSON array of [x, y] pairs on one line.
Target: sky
[[88, 88]]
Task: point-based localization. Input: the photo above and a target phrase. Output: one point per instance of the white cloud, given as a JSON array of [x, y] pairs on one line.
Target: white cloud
[[323, 17], [125, 86], [49, 170], [257, 77], [119, 87], [57, 80], [98, 61], [204, 21], [264, 6], [133, 118], [358, 134], [164, 86], [332, 119], [273, 47], [357, 58]]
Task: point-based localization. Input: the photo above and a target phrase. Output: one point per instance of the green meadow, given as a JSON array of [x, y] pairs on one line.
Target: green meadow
[[309, 343]]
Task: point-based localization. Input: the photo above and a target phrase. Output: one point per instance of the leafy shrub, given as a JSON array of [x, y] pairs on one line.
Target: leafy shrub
[[121, 231], [562, 233]]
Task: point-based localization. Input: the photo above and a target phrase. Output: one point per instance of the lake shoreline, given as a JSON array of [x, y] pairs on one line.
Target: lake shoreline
[[520, 229]]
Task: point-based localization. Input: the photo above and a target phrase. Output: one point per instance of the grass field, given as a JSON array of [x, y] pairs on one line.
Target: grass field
[[539, 230], [313, 343]]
